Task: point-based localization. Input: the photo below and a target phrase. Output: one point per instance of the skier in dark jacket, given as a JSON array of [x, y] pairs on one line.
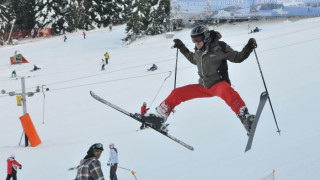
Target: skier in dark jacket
[[153, 67], [90, 166], [35, 68], [210, 57]]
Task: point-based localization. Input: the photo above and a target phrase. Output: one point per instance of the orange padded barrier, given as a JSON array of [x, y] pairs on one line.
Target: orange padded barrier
[[23, 60], [30, 130]]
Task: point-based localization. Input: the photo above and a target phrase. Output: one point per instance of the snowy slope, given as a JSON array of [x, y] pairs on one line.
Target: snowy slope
[[73, 121]]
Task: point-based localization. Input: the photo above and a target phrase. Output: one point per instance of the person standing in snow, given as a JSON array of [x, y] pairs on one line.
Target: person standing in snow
[[84, 35], [113, 161], [65, 38], [110, 28], [13, 74], [103, 64], [12, 167], [210, 57], [90, 166], [144, 110], [106, 55]]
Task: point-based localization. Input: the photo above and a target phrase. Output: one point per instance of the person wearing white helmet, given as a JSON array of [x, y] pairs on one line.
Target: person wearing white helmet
[[12, 167], [113, 161], [144, 110]]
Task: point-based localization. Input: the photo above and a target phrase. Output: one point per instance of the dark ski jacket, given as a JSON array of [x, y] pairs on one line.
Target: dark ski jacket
[[211, 60]]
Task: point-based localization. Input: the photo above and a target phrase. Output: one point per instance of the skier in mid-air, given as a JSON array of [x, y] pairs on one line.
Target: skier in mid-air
[[210, 57]]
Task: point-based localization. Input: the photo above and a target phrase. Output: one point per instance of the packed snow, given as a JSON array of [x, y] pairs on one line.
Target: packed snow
[[68, 120]]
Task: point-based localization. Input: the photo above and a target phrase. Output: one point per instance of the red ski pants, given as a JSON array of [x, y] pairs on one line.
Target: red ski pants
[[221, 89]]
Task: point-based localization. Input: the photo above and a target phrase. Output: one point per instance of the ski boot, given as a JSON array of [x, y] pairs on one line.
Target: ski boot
[[246, 119]]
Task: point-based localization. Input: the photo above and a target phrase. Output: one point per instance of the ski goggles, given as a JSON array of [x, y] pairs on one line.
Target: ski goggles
[[98, 146], [197, 39]]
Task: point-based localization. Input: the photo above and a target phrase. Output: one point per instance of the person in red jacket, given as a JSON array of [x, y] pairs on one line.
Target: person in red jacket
[[12, 167], [144, 110]]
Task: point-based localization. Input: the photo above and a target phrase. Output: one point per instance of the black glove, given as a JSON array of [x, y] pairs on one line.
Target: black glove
[[213, 34], [178, 43], [20, 167], [148, 109], [252, 44]]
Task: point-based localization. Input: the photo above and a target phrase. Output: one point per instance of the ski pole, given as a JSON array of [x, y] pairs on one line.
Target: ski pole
[[170, 72], [175, 77], [134, 175], [73, 168], [132, 172], [265, 86]]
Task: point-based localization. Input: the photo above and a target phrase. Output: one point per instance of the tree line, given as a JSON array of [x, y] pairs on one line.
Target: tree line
[[142, 17]]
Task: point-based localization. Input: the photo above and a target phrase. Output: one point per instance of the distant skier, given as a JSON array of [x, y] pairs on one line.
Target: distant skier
[[90, 166], [144, 110], [113, 161], [13, 74], [210, 57], [35, 68], [110, 28], [17, 57], [255, 30], [65, 38], [12, 167], [103, 64], [153, 67], [106, 55], [84, 35]]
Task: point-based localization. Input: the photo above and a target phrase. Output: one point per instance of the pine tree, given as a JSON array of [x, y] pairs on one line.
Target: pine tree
[[98, 12], [138, 20], [24, 11], [5, 19], [52, 13], [159, 18], [119, 8]]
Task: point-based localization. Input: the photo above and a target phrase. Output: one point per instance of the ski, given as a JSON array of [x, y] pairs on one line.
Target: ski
[[137, 117], [263, 99]]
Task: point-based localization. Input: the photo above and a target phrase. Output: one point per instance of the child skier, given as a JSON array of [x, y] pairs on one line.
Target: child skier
[[144, 110], [103, 64], [12, 167]]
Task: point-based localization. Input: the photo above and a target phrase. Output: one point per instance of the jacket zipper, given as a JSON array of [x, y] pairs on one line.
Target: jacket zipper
[[202, 69]]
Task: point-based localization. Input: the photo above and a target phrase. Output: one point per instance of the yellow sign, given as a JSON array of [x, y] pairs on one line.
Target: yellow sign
[[19, 101]]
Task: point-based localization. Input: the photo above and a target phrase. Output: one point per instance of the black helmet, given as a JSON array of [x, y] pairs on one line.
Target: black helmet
[[201, 31]]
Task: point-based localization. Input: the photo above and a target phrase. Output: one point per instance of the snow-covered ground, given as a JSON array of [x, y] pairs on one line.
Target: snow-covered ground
[[73, 120]]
